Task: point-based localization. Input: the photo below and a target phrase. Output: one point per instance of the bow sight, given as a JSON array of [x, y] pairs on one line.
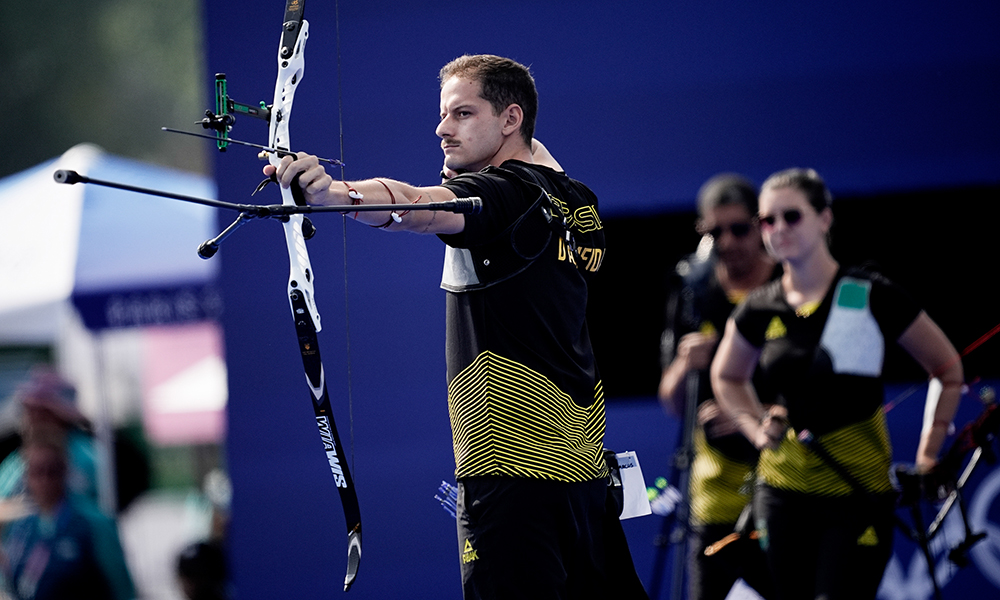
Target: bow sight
[[226, 109]]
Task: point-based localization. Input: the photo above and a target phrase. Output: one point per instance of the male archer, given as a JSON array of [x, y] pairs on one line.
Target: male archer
[[524, 392]]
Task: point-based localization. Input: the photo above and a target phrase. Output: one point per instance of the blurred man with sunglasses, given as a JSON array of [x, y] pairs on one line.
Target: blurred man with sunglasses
[[730, 262]]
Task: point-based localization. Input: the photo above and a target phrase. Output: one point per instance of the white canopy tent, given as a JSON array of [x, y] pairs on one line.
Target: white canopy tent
[[59, 242], [111, 281]]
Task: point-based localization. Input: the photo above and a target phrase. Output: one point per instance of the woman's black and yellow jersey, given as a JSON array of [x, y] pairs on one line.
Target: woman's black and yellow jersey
[[524, 392], [825, 366]]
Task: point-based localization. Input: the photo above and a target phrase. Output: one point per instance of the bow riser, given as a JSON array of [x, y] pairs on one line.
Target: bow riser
[[291, 68], [301, 297]]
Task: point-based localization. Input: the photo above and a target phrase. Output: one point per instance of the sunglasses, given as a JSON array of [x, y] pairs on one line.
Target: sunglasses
[[737, 229], [791, 217]]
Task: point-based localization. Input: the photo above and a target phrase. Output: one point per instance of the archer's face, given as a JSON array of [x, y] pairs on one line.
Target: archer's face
[[791, 227], [735, 235], [471, 135]]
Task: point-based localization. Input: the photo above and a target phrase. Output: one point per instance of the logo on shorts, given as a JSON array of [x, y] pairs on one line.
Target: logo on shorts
[[469, 554], [868, 538]]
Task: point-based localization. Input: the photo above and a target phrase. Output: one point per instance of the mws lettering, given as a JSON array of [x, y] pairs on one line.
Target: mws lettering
[[331, 451]]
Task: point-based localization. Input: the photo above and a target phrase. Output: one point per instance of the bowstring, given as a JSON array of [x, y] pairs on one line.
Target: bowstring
[[905, 395], [343, 222]]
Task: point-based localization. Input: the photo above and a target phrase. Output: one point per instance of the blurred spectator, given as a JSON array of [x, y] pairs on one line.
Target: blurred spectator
[[730, 262], [201, 570], [50, 412], [66, 547], [201, 566], [48, 405]]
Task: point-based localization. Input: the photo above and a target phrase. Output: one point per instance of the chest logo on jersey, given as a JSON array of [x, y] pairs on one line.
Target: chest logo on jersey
[[582, 220], [587, 258]]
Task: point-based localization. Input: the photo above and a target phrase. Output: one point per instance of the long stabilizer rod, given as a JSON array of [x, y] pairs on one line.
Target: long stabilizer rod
[[459, 205]]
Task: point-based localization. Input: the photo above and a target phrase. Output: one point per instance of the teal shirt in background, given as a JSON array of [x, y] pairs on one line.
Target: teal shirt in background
[[82, 477], [75, 553]]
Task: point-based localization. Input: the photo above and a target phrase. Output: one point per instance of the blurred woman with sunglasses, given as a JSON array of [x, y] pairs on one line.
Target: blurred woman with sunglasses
[[824, 501]]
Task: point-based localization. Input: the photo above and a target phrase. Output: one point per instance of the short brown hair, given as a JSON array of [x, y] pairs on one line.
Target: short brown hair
[[727, 189], [503, 82]]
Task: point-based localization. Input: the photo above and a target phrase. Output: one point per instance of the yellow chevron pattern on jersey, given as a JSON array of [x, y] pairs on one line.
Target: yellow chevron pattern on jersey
[[863, 449], [718, 484], [507, 419]]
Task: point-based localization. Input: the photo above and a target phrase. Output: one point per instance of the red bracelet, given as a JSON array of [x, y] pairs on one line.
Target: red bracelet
[[406, 212], [393, 217], [355, 196]]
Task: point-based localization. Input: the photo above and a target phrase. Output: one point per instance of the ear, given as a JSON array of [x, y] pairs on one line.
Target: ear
[[826, 217], [513, 117]]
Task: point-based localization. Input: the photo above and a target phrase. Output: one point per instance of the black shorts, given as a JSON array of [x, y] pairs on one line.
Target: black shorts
[[824, 547], [534, 539]]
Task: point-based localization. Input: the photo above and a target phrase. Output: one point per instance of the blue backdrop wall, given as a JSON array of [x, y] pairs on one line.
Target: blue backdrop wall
[[641, 100]]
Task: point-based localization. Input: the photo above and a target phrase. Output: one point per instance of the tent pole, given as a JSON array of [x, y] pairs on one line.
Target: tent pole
[[107, 493]]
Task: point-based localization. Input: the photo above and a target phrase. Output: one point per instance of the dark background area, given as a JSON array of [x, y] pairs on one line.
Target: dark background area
[[939, 245]]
